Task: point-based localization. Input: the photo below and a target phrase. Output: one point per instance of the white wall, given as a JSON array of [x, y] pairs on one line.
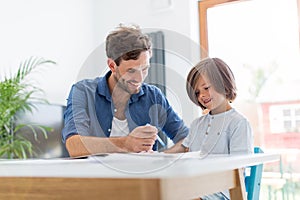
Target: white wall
[[62, 31], [72, 33]]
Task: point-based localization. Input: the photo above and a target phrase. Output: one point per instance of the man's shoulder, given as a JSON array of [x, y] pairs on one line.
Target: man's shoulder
[[151, 88], [87, 83]]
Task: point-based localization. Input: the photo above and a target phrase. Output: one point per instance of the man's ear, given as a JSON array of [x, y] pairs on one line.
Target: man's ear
[[150, 53], [111, 64]]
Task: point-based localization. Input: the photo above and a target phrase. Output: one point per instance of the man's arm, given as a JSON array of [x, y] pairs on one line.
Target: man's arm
[[78, 145], [140, 139]]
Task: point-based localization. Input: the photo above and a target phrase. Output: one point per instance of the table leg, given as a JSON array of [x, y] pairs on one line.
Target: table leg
[[238, 192]]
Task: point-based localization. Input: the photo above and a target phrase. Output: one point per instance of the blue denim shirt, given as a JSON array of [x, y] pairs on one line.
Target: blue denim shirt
[[89, 111]]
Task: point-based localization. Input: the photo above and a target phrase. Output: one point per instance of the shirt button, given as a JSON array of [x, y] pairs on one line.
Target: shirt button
[[109, 130]]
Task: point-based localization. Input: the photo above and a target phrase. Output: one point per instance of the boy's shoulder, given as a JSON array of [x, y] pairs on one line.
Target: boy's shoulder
[[235, 114]]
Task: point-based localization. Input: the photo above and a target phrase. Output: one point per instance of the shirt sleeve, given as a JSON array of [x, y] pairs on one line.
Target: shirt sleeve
[[76, 119], [241, 141], [193, 140], [174, 126], [187, 142]]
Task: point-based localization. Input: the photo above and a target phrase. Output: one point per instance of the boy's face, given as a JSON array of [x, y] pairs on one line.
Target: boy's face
[[130, 74], [209, 97]]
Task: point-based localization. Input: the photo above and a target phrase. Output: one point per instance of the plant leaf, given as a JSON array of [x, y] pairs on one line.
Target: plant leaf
[[16, 95]]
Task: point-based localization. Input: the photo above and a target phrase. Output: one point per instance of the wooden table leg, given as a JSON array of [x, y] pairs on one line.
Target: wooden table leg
[[239, 192]]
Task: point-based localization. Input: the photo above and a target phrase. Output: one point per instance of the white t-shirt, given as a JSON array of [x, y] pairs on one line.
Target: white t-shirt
[[224, 133], [119, 128]]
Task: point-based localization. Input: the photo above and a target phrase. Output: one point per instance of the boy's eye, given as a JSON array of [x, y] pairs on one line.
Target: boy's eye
[[206, 88], [197, 93]]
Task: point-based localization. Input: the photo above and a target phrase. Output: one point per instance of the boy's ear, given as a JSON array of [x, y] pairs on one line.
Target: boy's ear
[[111, 64]]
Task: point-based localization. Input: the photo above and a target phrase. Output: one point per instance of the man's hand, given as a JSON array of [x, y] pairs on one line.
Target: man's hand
[[142, 138]]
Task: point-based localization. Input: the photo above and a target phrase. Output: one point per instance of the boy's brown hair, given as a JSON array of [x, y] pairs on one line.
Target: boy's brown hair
[[218, 73]]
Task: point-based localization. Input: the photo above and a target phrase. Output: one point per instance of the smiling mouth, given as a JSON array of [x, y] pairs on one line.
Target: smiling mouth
[[206, 101], [132, 84]]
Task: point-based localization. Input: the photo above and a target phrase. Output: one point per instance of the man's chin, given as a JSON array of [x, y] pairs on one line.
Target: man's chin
[[135, 91]]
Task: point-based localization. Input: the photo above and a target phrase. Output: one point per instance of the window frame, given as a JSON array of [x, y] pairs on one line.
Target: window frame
[[203, 5]]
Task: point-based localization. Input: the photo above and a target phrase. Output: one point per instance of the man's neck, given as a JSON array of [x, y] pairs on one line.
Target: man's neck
[[119, 97]]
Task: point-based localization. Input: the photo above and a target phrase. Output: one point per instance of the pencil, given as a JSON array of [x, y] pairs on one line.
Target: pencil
[[158, 138]]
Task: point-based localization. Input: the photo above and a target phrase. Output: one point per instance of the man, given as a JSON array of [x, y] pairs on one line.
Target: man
[[119, 112]]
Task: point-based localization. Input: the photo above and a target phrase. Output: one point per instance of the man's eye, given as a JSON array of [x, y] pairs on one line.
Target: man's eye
[[131, 70], [145, 68]]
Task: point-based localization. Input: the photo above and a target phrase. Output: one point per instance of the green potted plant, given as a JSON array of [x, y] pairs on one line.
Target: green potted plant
[[16, 96]]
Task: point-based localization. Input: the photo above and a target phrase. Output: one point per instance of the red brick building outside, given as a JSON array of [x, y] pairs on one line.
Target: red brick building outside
[[281, 131]]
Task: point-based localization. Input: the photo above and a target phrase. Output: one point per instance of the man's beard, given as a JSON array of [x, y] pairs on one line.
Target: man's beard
[[123, 84]]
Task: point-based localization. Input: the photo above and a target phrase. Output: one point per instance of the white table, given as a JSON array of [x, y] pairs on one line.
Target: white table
[[127, 176]]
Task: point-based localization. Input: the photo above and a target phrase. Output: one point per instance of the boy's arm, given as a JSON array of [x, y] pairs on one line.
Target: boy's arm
[[177, 148]]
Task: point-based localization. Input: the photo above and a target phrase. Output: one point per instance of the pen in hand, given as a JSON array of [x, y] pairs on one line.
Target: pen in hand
[[158, 138]]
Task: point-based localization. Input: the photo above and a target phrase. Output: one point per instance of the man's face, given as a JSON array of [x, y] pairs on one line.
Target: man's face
[[130, 74]]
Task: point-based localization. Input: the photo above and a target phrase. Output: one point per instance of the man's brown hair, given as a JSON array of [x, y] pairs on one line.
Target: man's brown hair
[[126, 43]]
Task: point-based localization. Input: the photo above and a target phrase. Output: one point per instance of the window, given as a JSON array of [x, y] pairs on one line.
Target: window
[[284, 118], [259, 39]]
